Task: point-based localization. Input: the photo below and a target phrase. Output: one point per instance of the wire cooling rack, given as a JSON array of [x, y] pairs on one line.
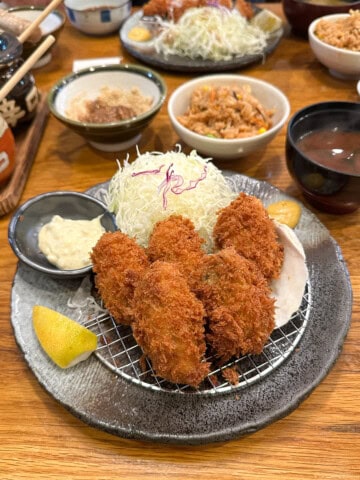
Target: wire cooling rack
[[119, 351]]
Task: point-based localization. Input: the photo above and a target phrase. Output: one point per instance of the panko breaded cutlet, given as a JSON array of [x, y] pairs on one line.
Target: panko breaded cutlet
[[175, 240], [237, 300], [174, 9], [169, 325], [246, 226], [118, 263]]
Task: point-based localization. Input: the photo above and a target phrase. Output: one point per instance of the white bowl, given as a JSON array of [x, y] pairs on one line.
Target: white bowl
[[223, 149], [342, 63], [97, 17]]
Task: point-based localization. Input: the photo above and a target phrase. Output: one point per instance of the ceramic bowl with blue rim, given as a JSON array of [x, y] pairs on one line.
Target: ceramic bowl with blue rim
[[85, 90], [97, 17]]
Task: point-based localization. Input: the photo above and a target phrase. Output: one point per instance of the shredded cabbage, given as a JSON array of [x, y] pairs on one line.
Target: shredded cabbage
[[136, 193], [210, 33]]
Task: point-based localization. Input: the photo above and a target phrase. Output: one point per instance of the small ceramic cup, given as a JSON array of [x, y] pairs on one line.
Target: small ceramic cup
[[7, 152], [20, 105]]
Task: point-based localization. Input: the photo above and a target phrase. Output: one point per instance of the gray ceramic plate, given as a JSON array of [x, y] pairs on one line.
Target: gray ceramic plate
[[144, 52], [101, 398]]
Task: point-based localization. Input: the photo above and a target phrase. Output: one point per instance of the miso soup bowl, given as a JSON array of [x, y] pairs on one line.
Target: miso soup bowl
[[300, 13], [113, 135], [326, 188]]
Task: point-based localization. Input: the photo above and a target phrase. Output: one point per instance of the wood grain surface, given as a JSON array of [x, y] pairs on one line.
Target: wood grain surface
[[39, 439]]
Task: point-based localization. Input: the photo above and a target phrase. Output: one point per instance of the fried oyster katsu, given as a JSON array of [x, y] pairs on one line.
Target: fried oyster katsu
[[169, 325], [246, 226], [118, 263], [237, 300], [175, 240]]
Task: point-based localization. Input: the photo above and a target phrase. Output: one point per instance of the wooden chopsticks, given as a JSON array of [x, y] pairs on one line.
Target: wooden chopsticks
[[26, 66], [36, 55], [28, 31]]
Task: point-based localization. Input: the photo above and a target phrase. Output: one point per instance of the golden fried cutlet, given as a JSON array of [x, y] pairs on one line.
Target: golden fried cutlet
[[118, 262], [174, 9], [175, 240], [236, 297], [246, 226], [169, 325]]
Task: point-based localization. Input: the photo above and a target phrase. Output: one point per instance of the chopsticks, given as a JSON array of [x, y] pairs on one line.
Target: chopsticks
[[28, 31], [36, 55], [26, 66]]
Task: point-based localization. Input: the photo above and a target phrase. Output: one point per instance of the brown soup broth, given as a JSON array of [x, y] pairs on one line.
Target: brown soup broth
[[334, 149]]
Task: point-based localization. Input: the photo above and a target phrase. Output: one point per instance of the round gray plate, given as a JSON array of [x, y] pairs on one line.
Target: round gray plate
[[144, 52], [99, 397]]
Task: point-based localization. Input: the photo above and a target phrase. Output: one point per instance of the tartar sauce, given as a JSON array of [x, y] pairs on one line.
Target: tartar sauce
[[67, 243]]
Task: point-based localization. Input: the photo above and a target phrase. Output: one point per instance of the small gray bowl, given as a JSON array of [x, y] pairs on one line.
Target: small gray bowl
[[113, 136], [27, 221]]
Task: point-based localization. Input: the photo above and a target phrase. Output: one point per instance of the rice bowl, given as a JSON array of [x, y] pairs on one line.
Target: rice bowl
[[341, 62], [224, 149]]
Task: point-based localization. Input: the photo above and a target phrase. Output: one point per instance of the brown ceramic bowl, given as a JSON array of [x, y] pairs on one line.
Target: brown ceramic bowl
[[300, 13]]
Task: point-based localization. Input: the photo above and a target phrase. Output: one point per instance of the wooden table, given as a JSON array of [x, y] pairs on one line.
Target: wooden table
[[39, 439]]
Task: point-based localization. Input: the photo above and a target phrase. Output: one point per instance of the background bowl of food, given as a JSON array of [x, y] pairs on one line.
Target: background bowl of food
[[335, 43], [108, 105], [51, 25], [323, 155], [97, 17], [227, 116], [300, 13], [57, 251]]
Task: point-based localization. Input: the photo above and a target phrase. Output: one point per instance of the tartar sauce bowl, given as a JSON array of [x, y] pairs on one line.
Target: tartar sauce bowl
[[341, 62], [30, 217], [269, 96], [88, 83]]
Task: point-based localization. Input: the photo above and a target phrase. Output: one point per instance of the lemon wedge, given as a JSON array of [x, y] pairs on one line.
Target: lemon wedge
[[267, 21], [286, 212], [65, 341]]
